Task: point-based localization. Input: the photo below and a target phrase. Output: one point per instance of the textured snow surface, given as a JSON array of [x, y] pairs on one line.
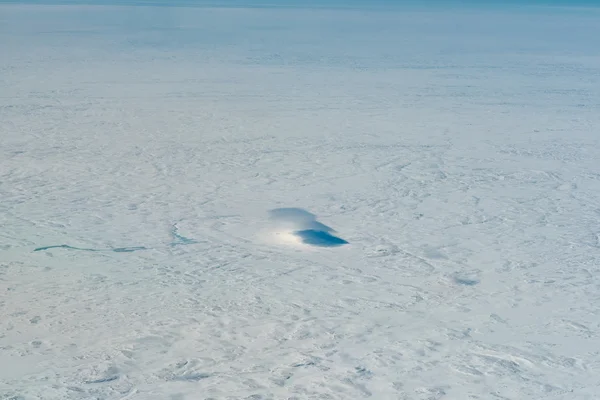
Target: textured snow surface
[[171, 180]]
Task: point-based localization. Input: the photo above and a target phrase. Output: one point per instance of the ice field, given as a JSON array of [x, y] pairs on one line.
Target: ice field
[[309, 201]]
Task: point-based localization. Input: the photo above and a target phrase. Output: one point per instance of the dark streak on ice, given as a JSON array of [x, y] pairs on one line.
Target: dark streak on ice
[[191, 377], [305, 364], [465, 281], [116, 250], [104, 380], [128, 249], [179, 239], [64, 246], [363, 372]]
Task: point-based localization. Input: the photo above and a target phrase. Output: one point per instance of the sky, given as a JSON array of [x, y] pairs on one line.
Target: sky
[[323, 3]]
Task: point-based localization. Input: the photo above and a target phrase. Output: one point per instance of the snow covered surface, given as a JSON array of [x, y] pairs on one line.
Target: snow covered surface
[[168, 176]]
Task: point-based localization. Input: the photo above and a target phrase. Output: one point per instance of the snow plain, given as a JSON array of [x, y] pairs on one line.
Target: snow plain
[[156, 162]]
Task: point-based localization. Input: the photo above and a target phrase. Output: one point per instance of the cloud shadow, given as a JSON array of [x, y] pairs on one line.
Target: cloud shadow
[[306, 227]]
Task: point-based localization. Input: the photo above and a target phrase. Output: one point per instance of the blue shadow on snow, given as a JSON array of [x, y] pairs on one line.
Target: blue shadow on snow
[[319, 238], [305, 225]]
